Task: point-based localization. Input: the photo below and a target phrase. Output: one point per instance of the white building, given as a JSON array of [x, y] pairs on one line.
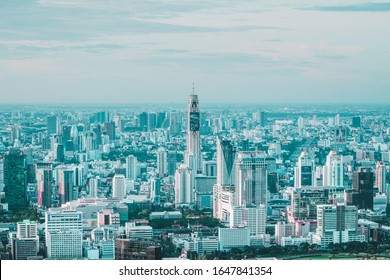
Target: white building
[[292, 240], [336, 224], [333, 171], [131, 167], [135, 231], [253, 218], [282, 230], [184, 182], [64, 244], [119, 186], [94, 184], [304, 171], [233, 238], [26, 242]]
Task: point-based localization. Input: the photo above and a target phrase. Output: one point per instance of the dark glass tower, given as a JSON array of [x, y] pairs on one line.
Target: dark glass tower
[[15, 180]]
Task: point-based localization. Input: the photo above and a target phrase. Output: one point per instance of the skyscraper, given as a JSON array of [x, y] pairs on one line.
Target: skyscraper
[[15, 179], [336, 224], [162, 162], [251, 179], [64, 234], [193, 134], [131, 167], [53, 125], [304, 172], [66, 184], [118, 186], [26, 243], [380, 178], [184, 181], [333, 171], [45, 184], [1, 174], [226, 157], [362, 195], [94, 184]]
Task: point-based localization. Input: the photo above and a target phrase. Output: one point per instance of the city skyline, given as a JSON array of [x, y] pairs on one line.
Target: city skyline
[[75, 51]]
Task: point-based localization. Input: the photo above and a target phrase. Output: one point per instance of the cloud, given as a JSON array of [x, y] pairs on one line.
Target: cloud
[[368, 7]]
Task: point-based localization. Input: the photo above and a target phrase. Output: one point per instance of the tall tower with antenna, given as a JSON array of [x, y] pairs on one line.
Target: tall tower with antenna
[[193, 153]]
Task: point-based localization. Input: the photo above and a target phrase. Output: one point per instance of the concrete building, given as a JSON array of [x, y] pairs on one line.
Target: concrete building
[[336, 224]]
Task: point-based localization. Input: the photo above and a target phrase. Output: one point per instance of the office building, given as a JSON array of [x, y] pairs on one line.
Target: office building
[[251, 179], [162, 162], [304, 171], [119, 186], [336, 224], [362, 195], [131, 167], [63, 232], [226, 159], [380, 177], [184, 182], [15, 180], [333, 171]]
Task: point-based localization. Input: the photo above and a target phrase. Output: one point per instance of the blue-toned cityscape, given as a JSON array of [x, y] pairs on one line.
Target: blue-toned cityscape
[[196, 181]]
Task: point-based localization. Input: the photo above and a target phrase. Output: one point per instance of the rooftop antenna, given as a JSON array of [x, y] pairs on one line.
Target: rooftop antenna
[[193, 88]]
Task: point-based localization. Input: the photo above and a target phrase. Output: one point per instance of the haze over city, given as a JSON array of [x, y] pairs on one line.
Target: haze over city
[[78, 51]]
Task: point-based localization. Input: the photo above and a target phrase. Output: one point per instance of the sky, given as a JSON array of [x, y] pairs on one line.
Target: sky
[[257, 52]]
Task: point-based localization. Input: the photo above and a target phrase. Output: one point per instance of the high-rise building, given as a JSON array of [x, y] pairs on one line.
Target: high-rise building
[[161, 116], [251, 179], [26, 242], [183, 185], [172, 163], [356, 122], [15, 180], [53, 125], [109, 127], [362, 195], [45, 184], [175, 122], [64, 234], [1, 173], [94, 184], [283, 229], [143, 121], [333, 171], [336, 224], [252, 217], [119, 186], [226, 158], [380, 177], [66, 185], [162, 162], [155, 194], [340, 141], [131, 167], [193, 134], [152, 121], [304, 171]]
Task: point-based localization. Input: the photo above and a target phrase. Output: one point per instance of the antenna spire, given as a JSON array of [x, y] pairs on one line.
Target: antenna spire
[[193, 88]]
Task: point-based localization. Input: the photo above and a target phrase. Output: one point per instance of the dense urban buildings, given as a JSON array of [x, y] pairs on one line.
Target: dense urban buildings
[[156, 182]]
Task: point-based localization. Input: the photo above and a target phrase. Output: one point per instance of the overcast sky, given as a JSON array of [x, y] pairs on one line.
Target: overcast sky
[[124, 51]]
